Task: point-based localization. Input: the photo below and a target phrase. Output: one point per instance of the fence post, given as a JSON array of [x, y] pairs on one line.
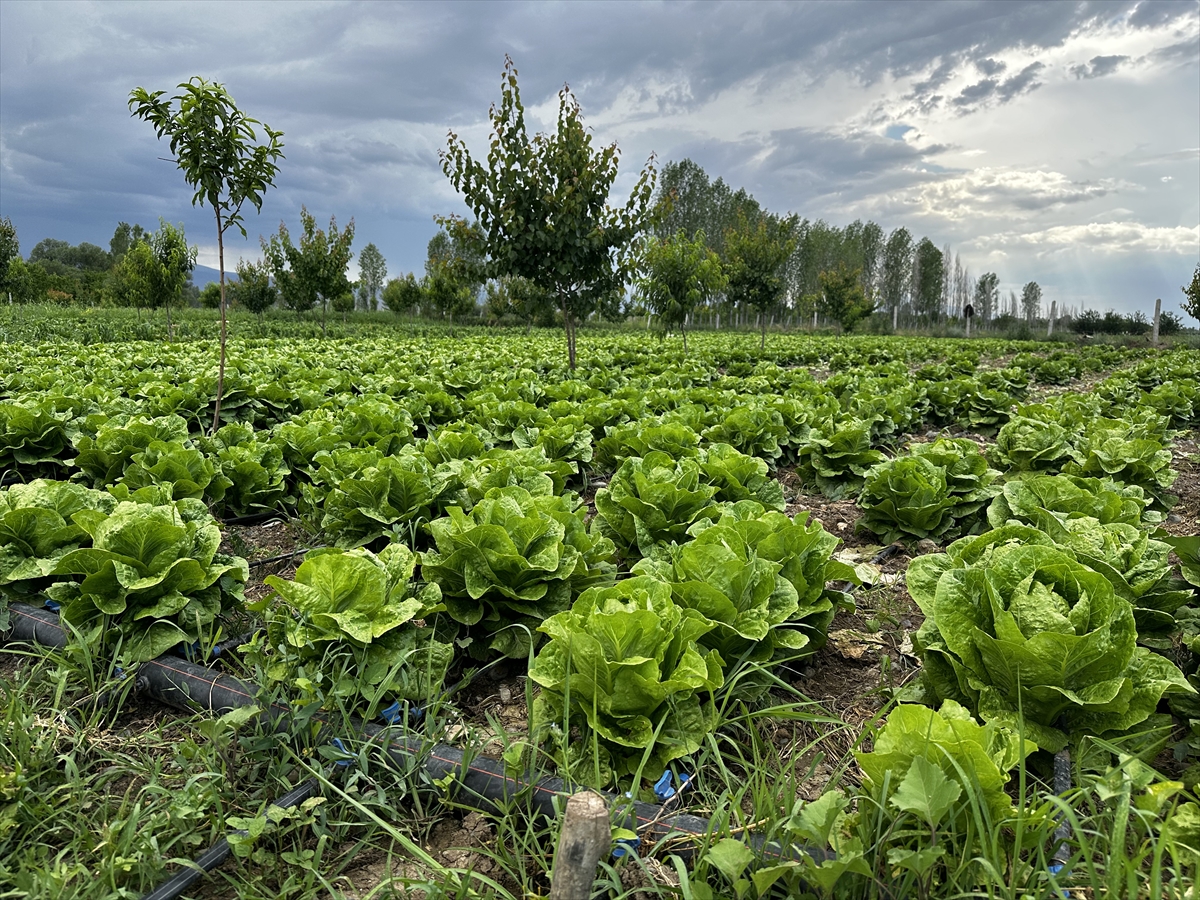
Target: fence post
[[586, 837], [1053, 313], [1157, 313]]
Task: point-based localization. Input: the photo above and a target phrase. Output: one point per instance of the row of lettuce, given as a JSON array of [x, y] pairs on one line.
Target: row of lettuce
[[356, 457]]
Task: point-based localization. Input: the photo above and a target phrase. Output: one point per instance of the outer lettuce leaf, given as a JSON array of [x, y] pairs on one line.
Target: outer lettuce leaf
[[976, 757]]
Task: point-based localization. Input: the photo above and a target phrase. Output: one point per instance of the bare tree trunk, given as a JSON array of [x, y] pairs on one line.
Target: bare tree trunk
[[221, 367], [762, 345], [683, 331]]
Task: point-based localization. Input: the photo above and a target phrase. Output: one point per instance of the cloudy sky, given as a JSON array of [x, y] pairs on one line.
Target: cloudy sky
[[1050, 141]]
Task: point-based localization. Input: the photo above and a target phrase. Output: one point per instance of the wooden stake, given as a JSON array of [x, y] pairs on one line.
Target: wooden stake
[[1157, 313], [586, 837], [1053, 313]]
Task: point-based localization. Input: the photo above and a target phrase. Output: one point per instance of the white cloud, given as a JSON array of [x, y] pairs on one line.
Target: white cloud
[[1099, 237]]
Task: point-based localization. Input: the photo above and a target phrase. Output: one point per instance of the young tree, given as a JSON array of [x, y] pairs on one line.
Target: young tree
[[755, 256], [1191, 294], [446, 292], [158, 268], [542, 206], [403, 295], [253, 290], [210, 295], [679, 275], [372, 269], [213, 142], [124, 237], [344, 303], [313, 272], [522, 299], [1031, 301], [843, 298]]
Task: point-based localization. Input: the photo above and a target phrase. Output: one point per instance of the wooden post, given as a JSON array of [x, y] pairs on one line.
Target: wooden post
[[586, 837], [896, 316], [1053, 314], [1157, 313]]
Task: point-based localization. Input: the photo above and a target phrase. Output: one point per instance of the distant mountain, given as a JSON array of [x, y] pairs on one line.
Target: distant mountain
[[202, 275]]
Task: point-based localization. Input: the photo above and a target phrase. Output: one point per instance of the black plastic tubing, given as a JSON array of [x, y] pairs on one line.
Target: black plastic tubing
[[480, 782]]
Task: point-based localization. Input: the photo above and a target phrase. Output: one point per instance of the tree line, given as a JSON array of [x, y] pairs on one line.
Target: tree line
[[545, 244]]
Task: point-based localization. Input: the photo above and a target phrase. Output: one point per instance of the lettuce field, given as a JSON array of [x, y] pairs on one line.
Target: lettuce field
[[841, 617]]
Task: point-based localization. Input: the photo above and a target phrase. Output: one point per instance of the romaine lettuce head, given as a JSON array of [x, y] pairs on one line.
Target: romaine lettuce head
[[360, 611], [514, 560], [1031, 445], [36, 530], [1037, 499], [152, 576], [652, 501], [1030, 631], [737, 476], [906, 496], [624, 666]]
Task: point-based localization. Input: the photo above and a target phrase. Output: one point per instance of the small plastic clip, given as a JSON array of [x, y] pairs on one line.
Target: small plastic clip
[[52, 605], [347, 759], [626, 846], [394, 714], [663, 789]]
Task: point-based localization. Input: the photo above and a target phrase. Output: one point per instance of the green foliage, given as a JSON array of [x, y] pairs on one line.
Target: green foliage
[[541, 206], [514, 560], [36, 530], [351, 631], [1191, 295], [1113, 449], [843, 298], [253, 291], [939, 491], [755, 253], [254, 470], [315, 270], [33, 436], [372, 269], [678, 275], [948, 755], [403, 295], [102, 458], [1036, 499], [1031, 445], [836, 459], [651, 501], [1028, 631], [150, 579], [623, 670]]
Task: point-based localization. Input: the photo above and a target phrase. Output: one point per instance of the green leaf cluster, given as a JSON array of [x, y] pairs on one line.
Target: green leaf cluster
[[515, 559], [938, 491], [836, 459], [353, 629], [623, 669], [151, 578], [1015, 629], [652, 501]]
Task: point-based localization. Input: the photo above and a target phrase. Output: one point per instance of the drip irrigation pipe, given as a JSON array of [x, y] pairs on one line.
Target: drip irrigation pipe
[[478, 782], [1062, 784], [219, 852]]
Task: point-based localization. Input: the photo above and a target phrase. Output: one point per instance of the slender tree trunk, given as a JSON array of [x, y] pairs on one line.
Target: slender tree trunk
[[324, 312], [221, 366], [683, 331], [762, 345], [168, 319]]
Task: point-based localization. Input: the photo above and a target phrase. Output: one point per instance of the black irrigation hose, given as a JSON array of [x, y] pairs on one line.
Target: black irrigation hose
[[482, 782], [1062, 784], [283, 556], [219, 852]]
